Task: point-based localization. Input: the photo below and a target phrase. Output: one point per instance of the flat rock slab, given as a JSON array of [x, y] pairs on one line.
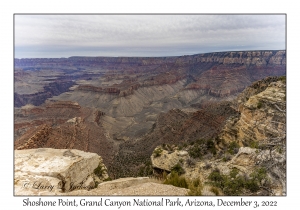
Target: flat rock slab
[[132, 187], [50, 171]]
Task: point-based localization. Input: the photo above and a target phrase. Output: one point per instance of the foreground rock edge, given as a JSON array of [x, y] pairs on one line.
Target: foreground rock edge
[[47, 171]]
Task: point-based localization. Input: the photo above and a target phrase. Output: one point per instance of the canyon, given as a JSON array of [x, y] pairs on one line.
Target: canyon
[[124, 108]]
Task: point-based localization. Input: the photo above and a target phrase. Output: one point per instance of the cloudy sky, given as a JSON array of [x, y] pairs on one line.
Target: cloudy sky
[[57, 36]]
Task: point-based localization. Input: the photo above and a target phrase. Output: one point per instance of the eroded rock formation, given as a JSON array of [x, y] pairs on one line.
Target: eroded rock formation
[[219, 74], [259, 130], [63, 125], [47, 171], [174, 127], [262, 113]]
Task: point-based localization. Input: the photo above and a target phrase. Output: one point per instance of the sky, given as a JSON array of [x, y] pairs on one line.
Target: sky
[[38, 36]]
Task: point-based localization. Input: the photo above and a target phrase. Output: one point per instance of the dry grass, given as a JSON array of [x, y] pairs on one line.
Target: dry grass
[[156, 180]]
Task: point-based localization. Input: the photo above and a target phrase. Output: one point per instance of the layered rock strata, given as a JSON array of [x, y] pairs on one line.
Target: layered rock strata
[[219, 74], [262, 113], [46, 171]]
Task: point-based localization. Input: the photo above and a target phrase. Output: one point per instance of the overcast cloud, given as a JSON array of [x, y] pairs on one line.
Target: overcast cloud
[[144, 35]]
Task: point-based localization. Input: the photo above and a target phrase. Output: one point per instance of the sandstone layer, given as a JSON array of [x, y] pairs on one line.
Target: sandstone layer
[[262, 108]]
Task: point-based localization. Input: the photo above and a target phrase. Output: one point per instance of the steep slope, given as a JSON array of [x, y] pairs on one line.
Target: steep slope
[[248, 157], [263, 113], [62, 125], [174, 127]]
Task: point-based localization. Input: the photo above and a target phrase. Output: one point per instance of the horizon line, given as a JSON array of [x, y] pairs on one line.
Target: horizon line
[[79, 56]]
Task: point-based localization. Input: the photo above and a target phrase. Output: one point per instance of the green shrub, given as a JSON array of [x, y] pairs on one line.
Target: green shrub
[[195, 187], [235, 184], [259, 104], [254, 144], [195, 151], [232, 147], [217, 179], [157, 152], [178, 169], [252, 185], [195, 183], [226, 157], [96, 184], [176, 180], [211, 146], [215, 190], [107, 179], [234, 172], [202, 147], [259, 175], [145, 169], [283, 79], [99, 170]]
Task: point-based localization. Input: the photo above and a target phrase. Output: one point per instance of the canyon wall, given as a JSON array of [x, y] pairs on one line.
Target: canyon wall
[[218, 74]]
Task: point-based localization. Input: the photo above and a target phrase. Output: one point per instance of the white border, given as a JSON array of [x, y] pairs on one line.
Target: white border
[[8, 8]]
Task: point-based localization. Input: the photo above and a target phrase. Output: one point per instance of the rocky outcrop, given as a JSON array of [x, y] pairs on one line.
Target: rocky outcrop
[[64, 104], [262, 125], [262, 113], [248, 159], [166, 160], [46, 171], [259, 129], [98, 115], [38, 139]]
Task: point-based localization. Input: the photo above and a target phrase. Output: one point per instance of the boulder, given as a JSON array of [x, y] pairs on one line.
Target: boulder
[[47, 171], [167, 160]]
